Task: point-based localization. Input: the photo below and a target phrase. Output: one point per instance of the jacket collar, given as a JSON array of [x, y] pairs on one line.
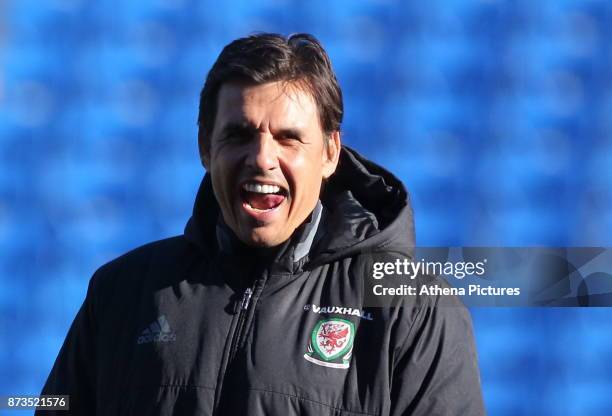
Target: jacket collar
[[285, 258]]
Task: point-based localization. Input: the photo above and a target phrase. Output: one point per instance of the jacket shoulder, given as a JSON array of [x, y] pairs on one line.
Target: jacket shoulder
[[141, 270], [160, 251]]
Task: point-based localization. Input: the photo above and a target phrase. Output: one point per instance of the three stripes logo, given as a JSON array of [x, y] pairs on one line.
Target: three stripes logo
[[158, 331]]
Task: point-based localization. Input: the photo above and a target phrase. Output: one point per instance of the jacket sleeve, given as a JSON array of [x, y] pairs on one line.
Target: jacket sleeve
[[74, 371], [436, 370]]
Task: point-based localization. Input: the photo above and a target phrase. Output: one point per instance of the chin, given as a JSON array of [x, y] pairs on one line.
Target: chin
[[264, 240]]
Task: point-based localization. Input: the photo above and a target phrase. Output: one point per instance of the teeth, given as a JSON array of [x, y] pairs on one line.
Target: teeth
[[261, 189]]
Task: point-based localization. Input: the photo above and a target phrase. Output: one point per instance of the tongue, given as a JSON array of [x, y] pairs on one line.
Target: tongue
[[263, 201]]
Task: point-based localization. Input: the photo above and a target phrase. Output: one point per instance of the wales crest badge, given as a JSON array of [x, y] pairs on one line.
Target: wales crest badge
[[331, 343]]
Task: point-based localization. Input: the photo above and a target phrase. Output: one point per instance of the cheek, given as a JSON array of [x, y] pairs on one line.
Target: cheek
[[303, 172], [226, 159], [223, 170], [220, 157]]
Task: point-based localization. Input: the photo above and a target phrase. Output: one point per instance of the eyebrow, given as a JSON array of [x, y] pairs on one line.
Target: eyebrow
[[290, 132], [239, 127]]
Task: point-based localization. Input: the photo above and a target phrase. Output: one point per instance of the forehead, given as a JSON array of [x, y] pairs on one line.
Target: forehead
[[275, 104]]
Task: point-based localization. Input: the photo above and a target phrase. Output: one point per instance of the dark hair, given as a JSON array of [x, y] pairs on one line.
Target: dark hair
[[269, 57]]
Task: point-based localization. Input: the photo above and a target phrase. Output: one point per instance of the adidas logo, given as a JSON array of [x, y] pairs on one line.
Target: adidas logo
[[158, 331]]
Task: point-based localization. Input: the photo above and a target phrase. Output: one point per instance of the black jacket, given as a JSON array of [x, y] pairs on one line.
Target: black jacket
[[199, 325]]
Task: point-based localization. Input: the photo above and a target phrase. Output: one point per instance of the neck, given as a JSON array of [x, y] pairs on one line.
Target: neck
[[302, 240]]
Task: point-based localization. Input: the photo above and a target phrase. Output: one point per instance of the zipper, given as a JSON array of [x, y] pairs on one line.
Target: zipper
[[241, 307], [246, 298], [242, 313], [244, 308]]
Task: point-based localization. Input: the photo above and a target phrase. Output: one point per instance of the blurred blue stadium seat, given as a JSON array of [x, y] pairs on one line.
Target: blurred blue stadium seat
[[495, 114]]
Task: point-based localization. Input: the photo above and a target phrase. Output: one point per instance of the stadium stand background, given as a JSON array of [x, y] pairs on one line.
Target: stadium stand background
[[496, 114]]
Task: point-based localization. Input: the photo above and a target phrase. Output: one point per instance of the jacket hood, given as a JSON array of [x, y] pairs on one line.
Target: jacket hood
[[365, 209], [368, 210]]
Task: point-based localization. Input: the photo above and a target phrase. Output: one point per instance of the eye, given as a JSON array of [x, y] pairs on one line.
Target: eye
[[237, 136]]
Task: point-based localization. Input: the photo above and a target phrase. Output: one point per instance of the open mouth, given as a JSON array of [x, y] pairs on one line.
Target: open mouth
[[262, 197]]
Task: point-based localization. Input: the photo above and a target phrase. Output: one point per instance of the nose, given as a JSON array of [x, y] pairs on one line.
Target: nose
[[263, 154]]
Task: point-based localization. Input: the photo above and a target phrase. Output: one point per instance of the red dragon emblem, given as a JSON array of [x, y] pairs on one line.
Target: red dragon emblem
[[332, 336], [331, 343]]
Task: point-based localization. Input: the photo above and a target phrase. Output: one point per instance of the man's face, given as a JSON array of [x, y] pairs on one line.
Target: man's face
[[267, 159]]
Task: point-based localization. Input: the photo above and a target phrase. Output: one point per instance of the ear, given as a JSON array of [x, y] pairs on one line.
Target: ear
[[203, 148], [331, 154]]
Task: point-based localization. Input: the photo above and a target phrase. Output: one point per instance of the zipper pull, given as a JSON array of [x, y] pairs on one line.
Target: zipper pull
[[246, 298]]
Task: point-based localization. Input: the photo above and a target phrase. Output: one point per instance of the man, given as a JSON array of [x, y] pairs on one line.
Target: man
[[261, 306]]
